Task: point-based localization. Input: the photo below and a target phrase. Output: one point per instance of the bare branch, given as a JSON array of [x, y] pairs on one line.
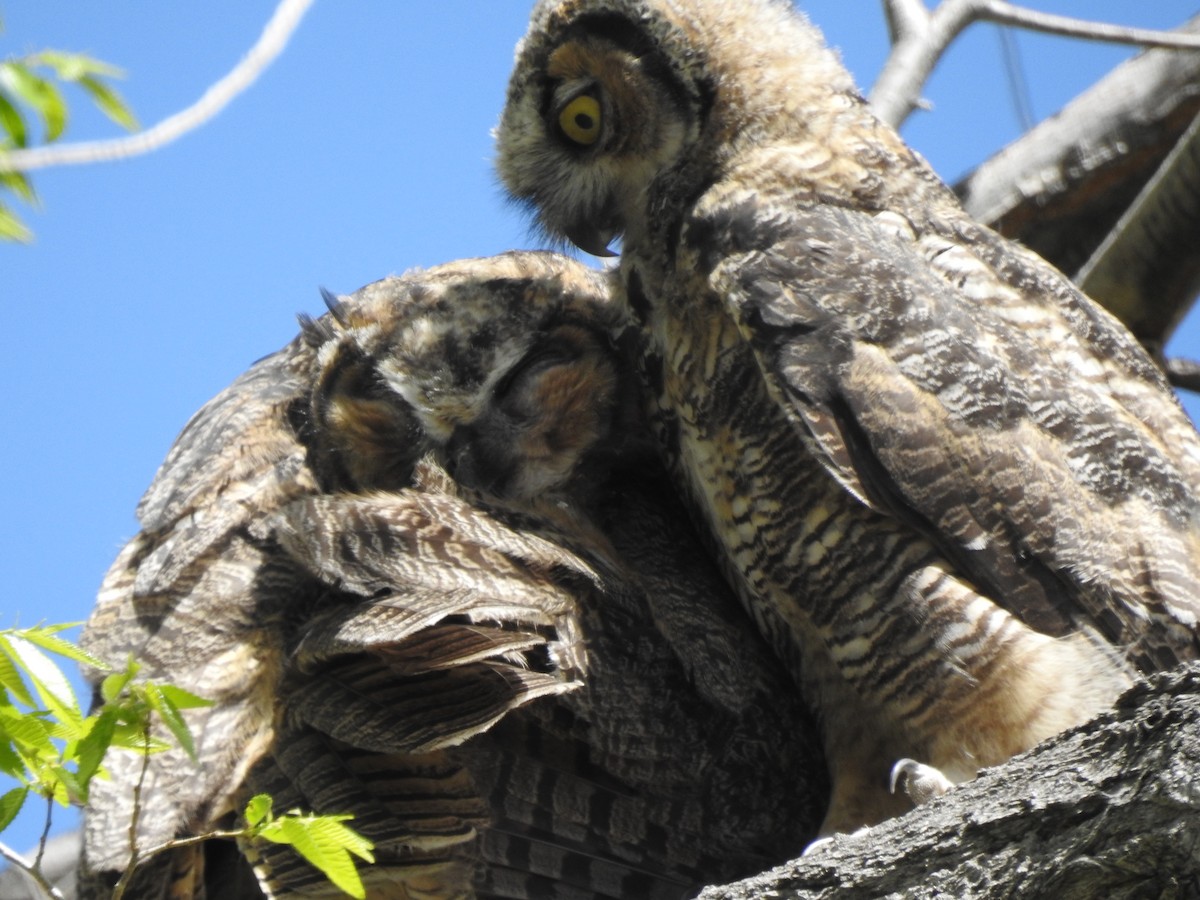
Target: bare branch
[[905, 18], [918, 48], [1104, 810], [1183, 374], [270, 44], [1062, 187], [31, 870], [1128, 270], [1005, 13]]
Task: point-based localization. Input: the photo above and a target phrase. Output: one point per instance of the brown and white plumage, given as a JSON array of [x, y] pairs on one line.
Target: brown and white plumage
[[531, 685], [953, 491]]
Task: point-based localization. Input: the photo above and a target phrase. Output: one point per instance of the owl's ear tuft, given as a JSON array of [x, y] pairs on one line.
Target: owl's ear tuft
[[314, 332], [336, 307]]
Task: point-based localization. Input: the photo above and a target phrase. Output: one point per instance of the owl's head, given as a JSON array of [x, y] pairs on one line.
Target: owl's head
[[506, 368], [616, 108]]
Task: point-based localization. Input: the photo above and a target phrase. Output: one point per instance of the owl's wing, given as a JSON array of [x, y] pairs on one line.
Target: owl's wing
[[239, 455], [421, 811], [196, 602], [437, 620], [959, 383]]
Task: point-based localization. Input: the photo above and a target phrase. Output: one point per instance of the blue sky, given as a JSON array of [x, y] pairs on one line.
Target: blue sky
[[363, 151]]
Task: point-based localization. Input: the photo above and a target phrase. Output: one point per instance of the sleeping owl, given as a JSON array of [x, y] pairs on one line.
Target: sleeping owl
[[953, 492], [426, 569]]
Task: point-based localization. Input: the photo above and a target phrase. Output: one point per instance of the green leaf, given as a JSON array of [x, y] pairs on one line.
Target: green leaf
[[46, 638], [27, 731], [48, 680], [10, 677], [258, 809], [90, 750], [11, 228], [111, 103], [326, 843], [37, 92], [170, 715], [10, 805], [12, 121], [181, 699], [112, 685], [67, 789], [74, 66], [19, 184], [11, 763]]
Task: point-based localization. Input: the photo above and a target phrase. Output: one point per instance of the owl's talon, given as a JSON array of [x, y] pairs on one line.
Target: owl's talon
[[922, 783]]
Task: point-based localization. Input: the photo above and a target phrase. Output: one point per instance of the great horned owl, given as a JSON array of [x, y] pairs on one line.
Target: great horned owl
[[956, 494], [531, 681]]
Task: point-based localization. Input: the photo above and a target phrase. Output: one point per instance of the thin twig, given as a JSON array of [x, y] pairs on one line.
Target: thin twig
[[1015, 72], [271, 42], [1005, 13], [31, 870], [135, 815], [920, 44], [45, 833]]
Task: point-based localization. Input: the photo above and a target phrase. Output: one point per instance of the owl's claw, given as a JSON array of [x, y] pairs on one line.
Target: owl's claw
[[922, 783]]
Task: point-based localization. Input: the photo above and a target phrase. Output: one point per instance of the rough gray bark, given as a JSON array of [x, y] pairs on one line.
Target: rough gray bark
[[1108, 810], [1061, 188]]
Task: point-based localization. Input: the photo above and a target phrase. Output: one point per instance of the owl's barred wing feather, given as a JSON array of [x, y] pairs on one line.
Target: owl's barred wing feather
[[466, 619], [236, 436], [1022, 431], [421, 811]]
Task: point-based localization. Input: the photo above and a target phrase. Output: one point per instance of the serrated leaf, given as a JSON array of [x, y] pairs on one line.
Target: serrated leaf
[[10, 677], [11, 228], [90, 749], [182, 699], [11, 763], [28, 731], [133, 737], [10, 804], [48, 680], [67, 789], [46, 638], [42, 95], [258, 809], [323, 842], [110, 102], [169, 713], [12, 121]]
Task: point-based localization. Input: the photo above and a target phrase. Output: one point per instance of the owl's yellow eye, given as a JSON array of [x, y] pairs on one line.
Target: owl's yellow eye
[[580, 120]]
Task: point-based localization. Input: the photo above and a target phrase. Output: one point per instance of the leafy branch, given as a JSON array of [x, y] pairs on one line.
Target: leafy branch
[[54, 751], [29, 88]]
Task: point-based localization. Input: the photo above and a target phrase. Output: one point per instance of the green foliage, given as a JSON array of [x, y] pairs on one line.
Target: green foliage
[[30, 89], [322, 840], [52, 750]]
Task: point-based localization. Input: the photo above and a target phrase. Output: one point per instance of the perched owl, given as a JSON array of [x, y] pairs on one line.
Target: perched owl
[[953, 492], [527, 679]]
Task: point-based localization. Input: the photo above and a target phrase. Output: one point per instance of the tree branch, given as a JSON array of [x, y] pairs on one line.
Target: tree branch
[[1062, 187], [30, 870], [270, 44], [921, 41], [1105, 810]]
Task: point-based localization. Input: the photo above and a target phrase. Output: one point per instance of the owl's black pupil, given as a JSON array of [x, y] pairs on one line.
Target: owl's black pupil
[[584, 121]]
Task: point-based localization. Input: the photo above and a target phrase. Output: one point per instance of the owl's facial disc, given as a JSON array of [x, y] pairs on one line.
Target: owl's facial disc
[[582, 138]]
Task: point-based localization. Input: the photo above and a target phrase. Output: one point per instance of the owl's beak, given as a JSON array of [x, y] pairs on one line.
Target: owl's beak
[[591, 239]]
